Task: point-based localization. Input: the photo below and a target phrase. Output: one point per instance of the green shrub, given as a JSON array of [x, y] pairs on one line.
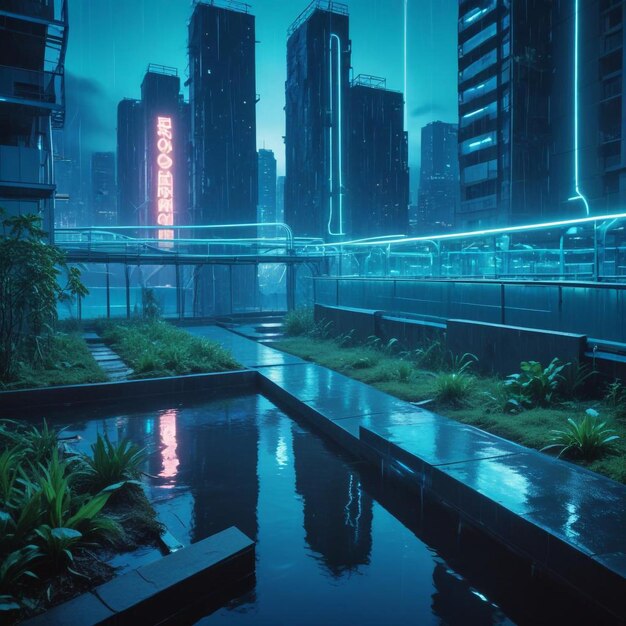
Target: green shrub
[[432, 356], [299, 322], [536, 385], [576, 377], [111, 463], [453, 388], [587, 439]]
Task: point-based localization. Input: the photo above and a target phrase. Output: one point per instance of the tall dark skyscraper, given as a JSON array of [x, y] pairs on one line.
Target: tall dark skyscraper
[[504, 105], [438, 198], [130, 162], [541, 109], [317, 91], [377, 170], [103, 189], [153, 150], [267, 187], [222, 92], [32, 57]]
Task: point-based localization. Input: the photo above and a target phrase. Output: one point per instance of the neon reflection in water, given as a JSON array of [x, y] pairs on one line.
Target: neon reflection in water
[[169, 446]]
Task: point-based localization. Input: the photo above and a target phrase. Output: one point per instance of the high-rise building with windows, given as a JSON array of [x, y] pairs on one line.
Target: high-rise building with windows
[[377, 160], [505, 75], [266, 212], [541, 110], [280, 199], [317, 91], [222, 94], [438, 198], [103, 189], [32, 104]]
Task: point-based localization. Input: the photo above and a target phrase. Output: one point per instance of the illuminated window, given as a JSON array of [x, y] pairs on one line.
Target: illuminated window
[[490, 111], [479, 90], [478, 143]]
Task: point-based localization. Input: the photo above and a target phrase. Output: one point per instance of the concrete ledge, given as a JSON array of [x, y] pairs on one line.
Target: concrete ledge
[[500, 349], [411, 333], [34, 399], [160, 590], [344, 320]]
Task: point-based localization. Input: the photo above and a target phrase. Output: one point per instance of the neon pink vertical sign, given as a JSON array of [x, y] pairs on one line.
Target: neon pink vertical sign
[[165, 177]]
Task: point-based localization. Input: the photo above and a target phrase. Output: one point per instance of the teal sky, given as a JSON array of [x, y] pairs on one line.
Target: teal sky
[[111, 43]]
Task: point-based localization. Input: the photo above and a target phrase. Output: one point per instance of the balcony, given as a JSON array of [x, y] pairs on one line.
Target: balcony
[[30, 87], [39, 10], [25, 171]]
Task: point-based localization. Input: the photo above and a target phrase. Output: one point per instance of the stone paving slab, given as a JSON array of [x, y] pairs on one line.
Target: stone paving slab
[[570, 520]]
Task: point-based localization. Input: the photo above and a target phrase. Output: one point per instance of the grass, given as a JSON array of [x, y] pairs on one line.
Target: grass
[[66, 360], [154, 348], [481, 405]]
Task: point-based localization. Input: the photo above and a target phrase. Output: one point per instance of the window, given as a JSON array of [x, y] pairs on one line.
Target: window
[[478, 143], [478, 66], [477, 40], [478, 12], [490, 111], [479, 90], [481, 171]]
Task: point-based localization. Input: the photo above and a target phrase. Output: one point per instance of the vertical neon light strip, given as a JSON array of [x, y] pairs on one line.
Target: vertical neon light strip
[[332, 135], [165, 177], [579, 195], [406, 86]]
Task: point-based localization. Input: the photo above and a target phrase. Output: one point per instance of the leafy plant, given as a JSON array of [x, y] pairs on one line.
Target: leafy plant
[[587, 438], [536, 385], [29, 290], [615, 397], [576, 376], [16, 565], [57, 544], [112, 463], [430, 357], [453, 388]]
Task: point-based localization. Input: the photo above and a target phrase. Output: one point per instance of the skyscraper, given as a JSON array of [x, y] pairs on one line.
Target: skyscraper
[[153, 151], [505, 74], [222, 92], [377, 160], [317, 90], [103, 189], [267, 187], [32, 57], [438, 198]]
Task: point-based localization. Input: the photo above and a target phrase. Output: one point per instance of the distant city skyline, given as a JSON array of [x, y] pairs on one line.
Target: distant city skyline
[[113, 41]]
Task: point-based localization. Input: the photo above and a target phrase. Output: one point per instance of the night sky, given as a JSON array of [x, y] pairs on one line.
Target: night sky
[[111, 42]]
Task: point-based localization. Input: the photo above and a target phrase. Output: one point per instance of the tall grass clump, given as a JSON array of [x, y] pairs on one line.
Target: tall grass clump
[[299, 322], [155, 348]]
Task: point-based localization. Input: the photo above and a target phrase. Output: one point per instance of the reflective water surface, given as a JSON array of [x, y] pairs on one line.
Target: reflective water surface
[[328, 551]]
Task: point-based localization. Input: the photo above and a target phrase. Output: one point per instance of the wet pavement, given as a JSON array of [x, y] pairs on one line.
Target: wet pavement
[[569, 520]]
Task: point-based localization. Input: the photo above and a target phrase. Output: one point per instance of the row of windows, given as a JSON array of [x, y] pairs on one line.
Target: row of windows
[[477, 40], [479, 143], [483, 63], [479, 11], [480, 90], [490, 111], [480, 171]]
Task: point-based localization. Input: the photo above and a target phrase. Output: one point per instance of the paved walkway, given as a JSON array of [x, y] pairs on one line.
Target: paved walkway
[[568, 519]]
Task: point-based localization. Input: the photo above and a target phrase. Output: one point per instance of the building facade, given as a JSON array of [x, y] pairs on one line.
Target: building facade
[[266, 212], [317, 92], [32, 104], [504, 104], [541, 110], [438, 198], [103, 189], [222, 93], [377, 160]]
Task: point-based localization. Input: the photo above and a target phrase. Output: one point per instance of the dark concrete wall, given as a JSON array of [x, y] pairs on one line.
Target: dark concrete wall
[[500, 348]]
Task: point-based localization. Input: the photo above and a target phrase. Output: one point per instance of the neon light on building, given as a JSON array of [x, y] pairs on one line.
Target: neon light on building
[[336, 122], [165, 177]]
